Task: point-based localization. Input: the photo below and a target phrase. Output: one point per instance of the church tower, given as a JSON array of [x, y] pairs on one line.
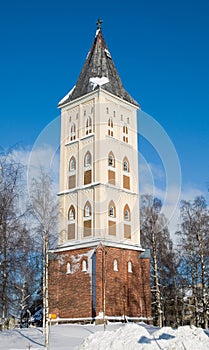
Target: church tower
[[99, 269]]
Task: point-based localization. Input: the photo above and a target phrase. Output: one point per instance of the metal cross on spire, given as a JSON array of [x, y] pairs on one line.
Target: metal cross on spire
[[99, 23]]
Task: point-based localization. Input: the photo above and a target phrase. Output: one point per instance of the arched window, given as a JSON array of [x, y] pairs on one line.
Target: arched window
[[72, 164], [112, 211], [84, 265], [72, 175], [87, 210], [125, 133], [87, 159], [71, 223], [87, 220], [112, 219], [126, 174], [115, 265], [111, 160], [130, 267], [87, 170], [127, 221], [71, 213], [110, 127], [68, 267], [126, 213], [111, 170], [125, 165], [88, 126], [72, 132]]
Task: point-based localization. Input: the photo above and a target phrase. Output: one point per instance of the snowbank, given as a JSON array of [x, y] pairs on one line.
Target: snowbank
[[117, 337], [139, 337]]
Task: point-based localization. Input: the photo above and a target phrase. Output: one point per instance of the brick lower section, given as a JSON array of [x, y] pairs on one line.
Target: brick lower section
[[81, 294]]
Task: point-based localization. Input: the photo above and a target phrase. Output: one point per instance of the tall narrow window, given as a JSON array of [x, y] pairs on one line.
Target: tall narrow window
[[72, 164], [71, 214], [72, 173], [72, 132], [87, 160], [84, 265], [71, 223], [112, 211], [126, 174], [87, 221], [68, 268], [127, 222], [111, 169], [110, 127], [87, 169], [125, 165], [88, 126], [87, 210], [125, 133], [112, 219], [130, 267], [115, 265], [126, 213]]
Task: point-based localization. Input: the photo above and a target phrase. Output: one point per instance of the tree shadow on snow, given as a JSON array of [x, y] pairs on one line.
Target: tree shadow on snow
[[145, 340], [206, 331], [29, 338]]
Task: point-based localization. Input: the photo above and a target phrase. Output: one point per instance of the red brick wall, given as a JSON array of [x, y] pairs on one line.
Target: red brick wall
[[126, 292], [70, 295]]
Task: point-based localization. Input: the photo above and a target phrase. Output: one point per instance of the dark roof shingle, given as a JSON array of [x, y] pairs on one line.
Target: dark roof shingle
[[98, 70]]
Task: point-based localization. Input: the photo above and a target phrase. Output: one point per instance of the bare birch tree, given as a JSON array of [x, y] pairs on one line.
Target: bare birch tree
[[10, 226], [194, 243], [44, 204], [155, 236]]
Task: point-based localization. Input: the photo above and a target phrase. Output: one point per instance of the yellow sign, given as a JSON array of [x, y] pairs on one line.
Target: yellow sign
[[52, 316]]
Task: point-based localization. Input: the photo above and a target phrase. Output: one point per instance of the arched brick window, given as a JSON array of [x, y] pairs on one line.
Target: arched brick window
[[87, 220], [72, 132], [88, 126], [72, 173], [127, 221], [71, 223], [110, 127], [84, 265], [68, 267], [112, 219], [130, 267], [111, 168], [115, 265], [87, 168]]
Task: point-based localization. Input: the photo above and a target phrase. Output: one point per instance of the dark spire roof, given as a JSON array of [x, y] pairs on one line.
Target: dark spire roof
[[98, 70]]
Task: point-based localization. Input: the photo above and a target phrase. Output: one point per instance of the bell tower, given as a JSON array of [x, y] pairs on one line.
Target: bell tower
[[99, 269]]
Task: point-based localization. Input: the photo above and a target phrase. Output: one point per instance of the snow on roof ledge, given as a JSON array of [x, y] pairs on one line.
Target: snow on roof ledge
[[67, 96], [98, 81]]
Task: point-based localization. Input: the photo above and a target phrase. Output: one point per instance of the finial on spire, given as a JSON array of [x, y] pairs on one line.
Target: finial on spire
[[99, 23]]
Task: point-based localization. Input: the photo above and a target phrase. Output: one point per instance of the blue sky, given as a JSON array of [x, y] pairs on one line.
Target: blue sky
[[160, 49]]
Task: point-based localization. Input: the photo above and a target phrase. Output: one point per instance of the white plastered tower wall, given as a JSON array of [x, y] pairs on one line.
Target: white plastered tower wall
[[100, 106]]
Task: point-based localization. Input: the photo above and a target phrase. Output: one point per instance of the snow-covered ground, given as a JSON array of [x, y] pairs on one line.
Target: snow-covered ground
[[115, 337]]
